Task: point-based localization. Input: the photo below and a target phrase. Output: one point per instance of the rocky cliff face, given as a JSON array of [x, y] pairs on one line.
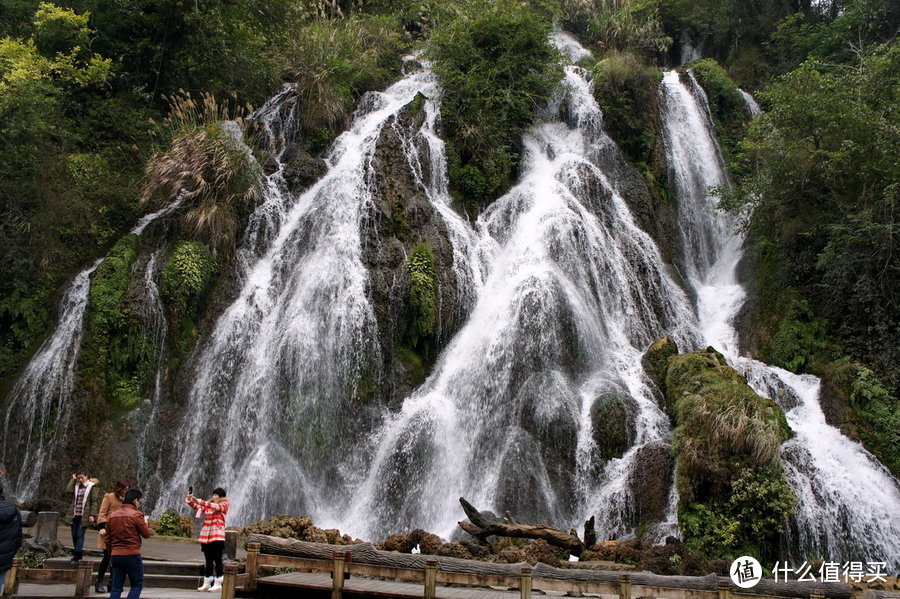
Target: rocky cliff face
[[399, 220]]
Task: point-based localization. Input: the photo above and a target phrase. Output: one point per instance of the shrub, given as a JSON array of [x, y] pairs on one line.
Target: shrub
[[496, 65], [172, 524], [335, 61], [186, 276], [59, 30], [215, 174], [725, 103], [727, 440], [422, 307], [625, 89]]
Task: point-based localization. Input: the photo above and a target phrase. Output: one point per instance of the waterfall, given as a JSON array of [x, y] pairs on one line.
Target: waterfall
[[848, 501], [753, 108], [39, 407], [573, 293], [272, 398]]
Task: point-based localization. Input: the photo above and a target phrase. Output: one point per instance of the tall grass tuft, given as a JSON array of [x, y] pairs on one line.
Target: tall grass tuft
[[215, 174]]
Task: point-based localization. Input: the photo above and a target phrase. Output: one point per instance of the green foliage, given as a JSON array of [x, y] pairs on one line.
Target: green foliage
[[799, 339], [748, 522], [172, 524], [120, 352], [31, 558], [496, 65], [422, 319], [335, 61], [725, 103], [625, 88], [819, 189], [722, 426], [733, 494], [108, 286], [632, 25], [874, 413], [59, 30], [186, 276]]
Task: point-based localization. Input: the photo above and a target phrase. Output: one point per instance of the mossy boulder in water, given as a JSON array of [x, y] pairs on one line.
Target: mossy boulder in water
[[656, 360], [612, 420], [727, 445]]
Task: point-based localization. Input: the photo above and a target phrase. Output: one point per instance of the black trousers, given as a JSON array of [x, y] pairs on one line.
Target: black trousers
[[212, 551]]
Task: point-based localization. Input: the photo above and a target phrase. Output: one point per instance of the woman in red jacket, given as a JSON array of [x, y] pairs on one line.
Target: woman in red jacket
[[212, 535]]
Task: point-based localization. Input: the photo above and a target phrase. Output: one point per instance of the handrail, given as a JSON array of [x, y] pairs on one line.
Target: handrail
[[430, 576], [80, 576]]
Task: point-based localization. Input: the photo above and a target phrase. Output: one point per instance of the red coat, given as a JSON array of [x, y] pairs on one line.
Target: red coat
[[213, 519]]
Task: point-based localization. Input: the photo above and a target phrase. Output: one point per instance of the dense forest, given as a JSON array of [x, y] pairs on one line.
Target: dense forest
[[109, 109]]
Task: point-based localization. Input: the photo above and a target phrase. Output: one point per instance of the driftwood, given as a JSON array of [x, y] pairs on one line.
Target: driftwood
[[366, 553], [481, 528]]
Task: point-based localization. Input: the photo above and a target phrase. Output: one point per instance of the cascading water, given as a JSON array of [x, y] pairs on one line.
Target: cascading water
[[273, 395], [573, 293], [39, 407], [753, 108], [848, 502]]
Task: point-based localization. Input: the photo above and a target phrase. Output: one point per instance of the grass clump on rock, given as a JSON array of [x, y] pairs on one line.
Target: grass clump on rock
[[734, 497]]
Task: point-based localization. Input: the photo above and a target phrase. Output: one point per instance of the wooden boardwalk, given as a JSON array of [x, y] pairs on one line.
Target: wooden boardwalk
[[376, 588]]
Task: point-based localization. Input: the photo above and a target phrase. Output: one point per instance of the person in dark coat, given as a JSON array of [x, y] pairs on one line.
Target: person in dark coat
[[10, 535]]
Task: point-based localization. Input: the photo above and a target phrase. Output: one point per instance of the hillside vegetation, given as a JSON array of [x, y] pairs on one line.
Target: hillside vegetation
[[110, 110]]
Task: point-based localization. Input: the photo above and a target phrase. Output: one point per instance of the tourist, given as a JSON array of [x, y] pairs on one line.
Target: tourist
[[10, 535], [212, 535], [125, 529], [84, 510], [111, 502]]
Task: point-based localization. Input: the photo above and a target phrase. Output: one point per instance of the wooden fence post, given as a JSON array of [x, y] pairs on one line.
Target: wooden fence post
[[625, 586], [817, 594], [724, 589], [230, 582], [231, 544], [11, 584], [430, 579], [525, 584], [83, 579], [252, 565], [337, 574]]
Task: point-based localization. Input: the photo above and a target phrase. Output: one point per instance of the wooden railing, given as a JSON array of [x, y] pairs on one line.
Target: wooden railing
[[80, 576], [430, 577]]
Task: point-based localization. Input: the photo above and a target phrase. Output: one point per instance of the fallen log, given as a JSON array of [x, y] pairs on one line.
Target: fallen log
[[481, 528]]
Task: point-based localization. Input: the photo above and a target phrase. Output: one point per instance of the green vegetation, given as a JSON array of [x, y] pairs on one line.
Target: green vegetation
[[172, 524], [625, 88], [187, 276], [725, 103], [334, 61], [422, 314], [732, 490], [119, 351], [496, 64]]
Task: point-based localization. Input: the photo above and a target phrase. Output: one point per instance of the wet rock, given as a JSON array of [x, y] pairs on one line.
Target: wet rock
[[302, 170], [612, 420], [651, 480], [459, 550]]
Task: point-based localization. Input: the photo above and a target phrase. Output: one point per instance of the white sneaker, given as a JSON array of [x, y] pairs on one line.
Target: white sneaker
[[207, 582], [217, 585]]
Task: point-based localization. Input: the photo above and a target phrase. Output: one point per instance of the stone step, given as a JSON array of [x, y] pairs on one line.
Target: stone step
[[193, 569]]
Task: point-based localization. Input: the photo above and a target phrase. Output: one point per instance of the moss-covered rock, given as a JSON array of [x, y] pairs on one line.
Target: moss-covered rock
[[656, 360], [722, 425], [727, 444], [612, 422]]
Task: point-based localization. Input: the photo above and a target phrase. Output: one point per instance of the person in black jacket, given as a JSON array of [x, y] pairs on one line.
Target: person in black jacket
[[10, 535]]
